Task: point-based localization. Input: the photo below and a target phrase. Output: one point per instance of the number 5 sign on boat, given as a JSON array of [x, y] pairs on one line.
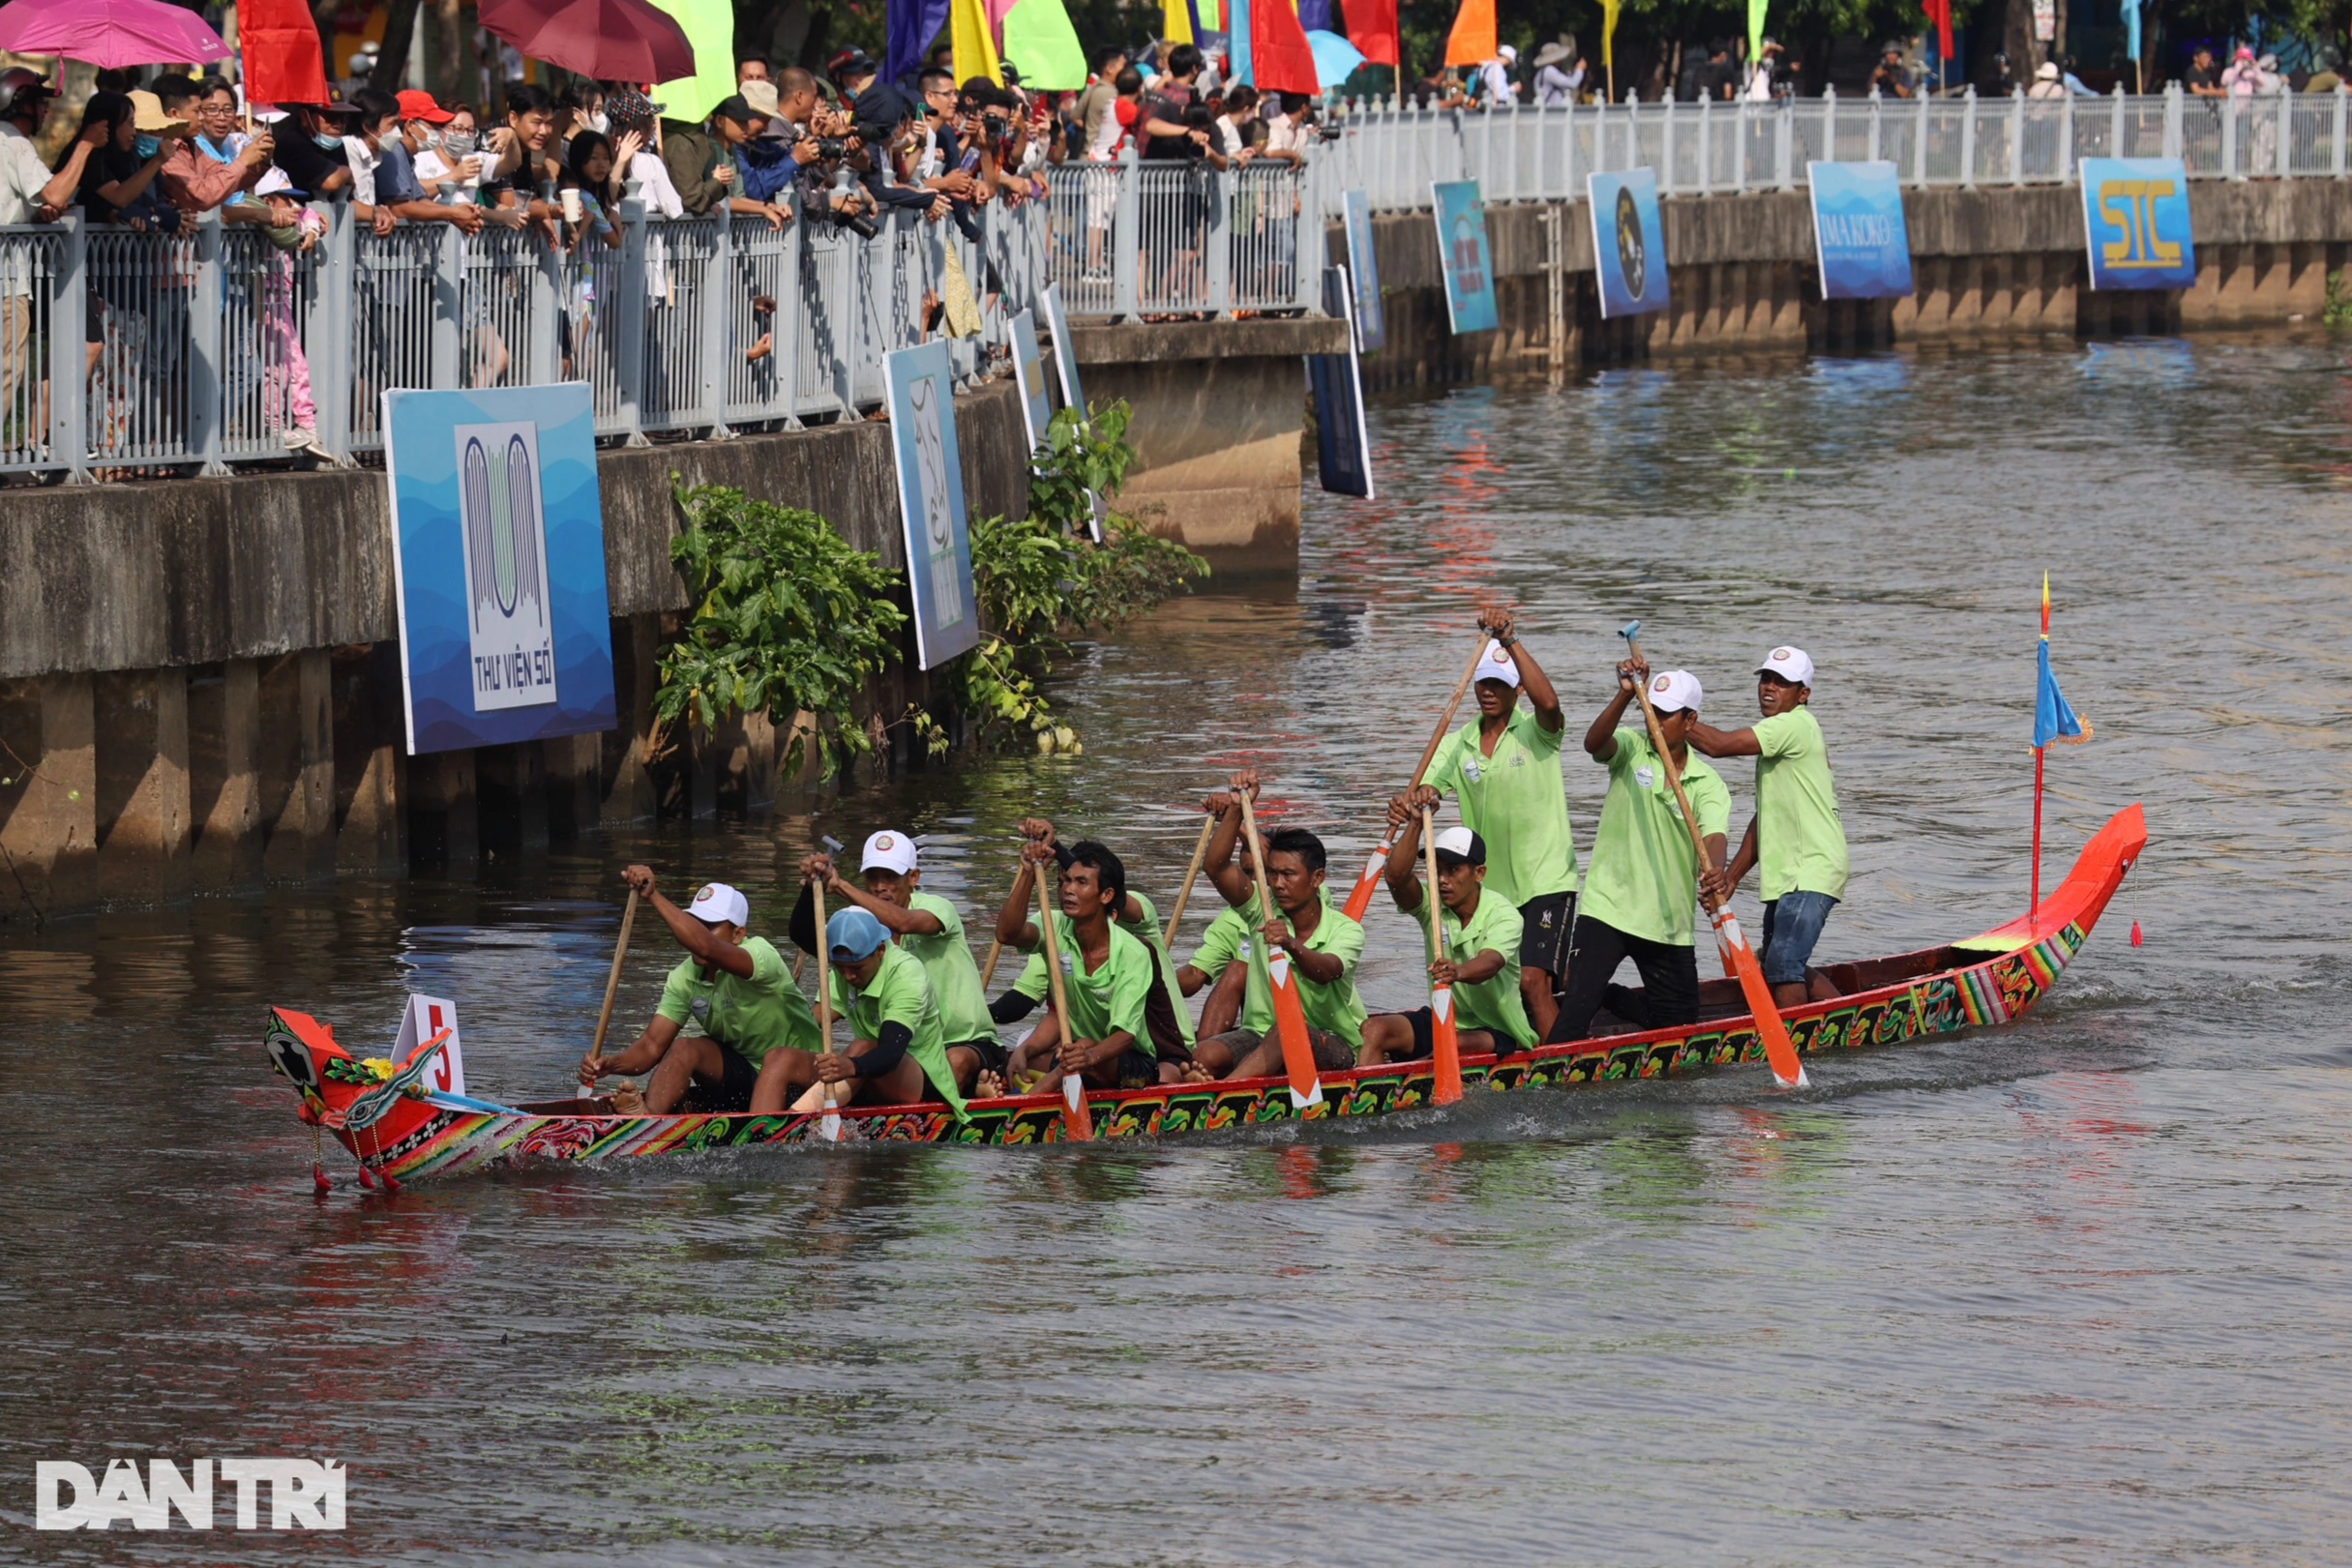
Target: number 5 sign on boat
[[427, 1017]]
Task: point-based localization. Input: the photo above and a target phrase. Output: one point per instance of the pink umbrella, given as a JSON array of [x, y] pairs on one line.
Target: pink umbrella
[[110, 33]]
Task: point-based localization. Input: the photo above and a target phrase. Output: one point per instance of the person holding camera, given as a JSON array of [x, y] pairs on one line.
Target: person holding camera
[[703, 161]]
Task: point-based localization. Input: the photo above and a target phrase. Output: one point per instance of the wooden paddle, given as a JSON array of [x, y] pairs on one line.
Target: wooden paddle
[[1359, 896], [835, 1094], [1191, 872], [1445, 1041], [1290, 1013], [1076, 1124], [1779, 1049], [612, 985]]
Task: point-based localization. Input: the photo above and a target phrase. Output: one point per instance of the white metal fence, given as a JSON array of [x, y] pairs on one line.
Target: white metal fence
[[1138, 239], [1529, 153], [124, 351]]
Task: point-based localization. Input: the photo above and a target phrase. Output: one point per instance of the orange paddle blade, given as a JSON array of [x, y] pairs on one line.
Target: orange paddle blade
[[1077, 1125], [1445, 1056], [1779, 1049], [1290, 1023], [1359, 896]]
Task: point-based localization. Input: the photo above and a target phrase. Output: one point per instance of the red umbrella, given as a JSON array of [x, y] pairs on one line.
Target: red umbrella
[[609, 39]]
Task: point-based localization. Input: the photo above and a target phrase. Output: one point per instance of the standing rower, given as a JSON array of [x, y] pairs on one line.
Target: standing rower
[[1642, 883], [1796, 835], [1478, 958], [926, 926], [727, 1007], [1505, 768], [896, 1053]]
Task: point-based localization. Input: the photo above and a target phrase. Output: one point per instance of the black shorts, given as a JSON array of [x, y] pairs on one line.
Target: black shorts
[[1425, 1037], [1332, 1055], [1546, 920], [1137, 1071], [733, 1090], [990, 1052]]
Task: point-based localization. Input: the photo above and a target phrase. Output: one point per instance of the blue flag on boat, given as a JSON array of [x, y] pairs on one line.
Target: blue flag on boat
[[2053, 720]]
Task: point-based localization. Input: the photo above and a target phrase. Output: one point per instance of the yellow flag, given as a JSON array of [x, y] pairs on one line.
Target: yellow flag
[[974, 46], [1176, 21], [1608, 32]]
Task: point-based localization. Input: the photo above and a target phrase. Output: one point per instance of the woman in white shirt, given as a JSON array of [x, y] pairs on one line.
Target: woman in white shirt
[[1240, 106]]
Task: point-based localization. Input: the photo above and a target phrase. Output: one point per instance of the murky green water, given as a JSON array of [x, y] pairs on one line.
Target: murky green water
[[2068, 1293]]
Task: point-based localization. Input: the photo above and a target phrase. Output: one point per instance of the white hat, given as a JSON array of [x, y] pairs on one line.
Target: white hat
[[1503, 51], [1462, 845], [717, 903], [891, 851], [272, 182], [1792, 665], [1674, 690], [1494, 664], [2048, 71]]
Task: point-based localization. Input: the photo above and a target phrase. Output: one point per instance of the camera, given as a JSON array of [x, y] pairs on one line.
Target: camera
[[1326, 132], [832, 147], [857, 223]]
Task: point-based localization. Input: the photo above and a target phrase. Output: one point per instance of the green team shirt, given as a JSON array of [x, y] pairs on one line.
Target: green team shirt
[[1494, 926], [755, 1014], [1515, 800], [1225, 939], [1801, 843], [953, 977], [1108, 999], [1644, 875], [901, 995], [1335, 1008], [1147, 930]]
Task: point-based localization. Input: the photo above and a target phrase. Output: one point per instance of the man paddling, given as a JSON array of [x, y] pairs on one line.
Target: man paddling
[[1478, 958], [1796, 835], [726, 1009], [1505, 768], [1121, 1016], [1642, 883], [1325, 947], [926, 926], [1223, 941], [896, 1056]]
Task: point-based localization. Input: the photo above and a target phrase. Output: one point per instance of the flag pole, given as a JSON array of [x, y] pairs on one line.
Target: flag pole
[[2033, 906]]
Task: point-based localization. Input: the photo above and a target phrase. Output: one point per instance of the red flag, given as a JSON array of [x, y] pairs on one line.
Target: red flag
[[1280, 58], [279, 42], [1372, 29], [1939, 12]]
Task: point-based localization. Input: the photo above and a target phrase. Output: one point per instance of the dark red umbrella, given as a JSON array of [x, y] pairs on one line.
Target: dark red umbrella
[[609, 39]]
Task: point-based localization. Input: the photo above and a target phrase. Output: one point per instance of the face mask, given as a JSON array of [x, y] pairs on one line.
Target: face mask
[[326, 142], [600, 122], [457, 143], [145, 146]]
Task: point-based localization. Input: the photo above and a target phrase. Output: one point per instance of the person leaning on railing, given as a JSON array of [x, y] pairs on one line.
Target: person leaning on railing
[[30, 192], [702, 160], [513, 158], [196, 178], [415, 128]]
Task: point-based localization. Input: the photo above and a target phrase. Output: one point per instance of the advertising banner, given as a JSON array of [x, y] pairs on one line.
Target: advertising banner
[[1469, 267], [1371, 333], [2135, 219], [1859, 237], [931, 501], [1029, 370], [499, 563], [1629, 242], [1343, 446]]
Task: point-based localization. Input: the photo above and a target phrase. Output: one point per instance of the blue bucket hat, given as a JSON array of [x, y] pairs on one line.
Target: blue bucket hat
[[854, 934]]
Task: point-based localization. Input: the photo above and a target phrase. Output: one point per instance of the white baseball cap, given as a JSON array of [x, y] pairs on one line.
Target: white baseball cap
[[718, 903], [1503, 51], [891, 851], [1495, 664], [1790, 665], [1461, 844], [1673, 690]]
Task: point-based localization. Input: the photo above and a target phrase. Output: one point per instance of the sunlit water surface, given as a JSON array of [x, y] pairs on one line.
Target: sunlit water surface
[[2073, 1291]]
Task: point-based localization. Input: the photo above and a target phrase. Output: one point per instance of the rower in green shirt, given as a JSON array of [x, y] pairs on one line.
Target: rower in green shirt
[[1325, 947], [897, 1055], [1796, 835], [726, 1010], [1503, 766], [926, 926], [1478, 958], [1642, 885], [1120, 1015], [1223, 941]]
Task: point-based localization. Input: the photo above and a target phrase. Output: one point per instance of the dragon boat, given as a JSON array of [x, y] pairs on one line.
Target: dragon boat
[[399, 1129]]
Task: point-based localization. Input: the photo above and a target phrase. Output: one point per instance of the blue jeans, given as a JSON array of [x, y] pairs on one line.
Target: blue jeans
[[1792, 925]]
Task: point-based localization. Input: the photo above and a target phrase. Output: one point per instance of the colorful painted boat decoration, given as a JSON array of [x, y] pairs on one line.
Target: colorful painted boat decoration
[[400, 1133]]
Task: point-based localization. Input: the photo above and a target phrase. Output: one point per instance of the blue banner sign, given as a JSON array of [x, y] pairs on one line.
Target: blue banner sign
[[1371, 332], [1343, 447], [1469, 265], [1859, 237], [931, 501], [1629, 242], [498, 565], [2135, 218]]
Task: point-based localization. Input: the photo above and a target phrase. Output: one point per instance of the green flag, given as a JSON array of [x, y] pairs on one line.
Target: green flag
[[710, 27], [1038, 39]]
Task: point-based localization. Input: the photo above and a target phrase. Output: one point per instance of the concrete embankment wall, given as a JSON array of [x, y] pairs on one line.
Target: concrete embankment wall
[[1986, 263], [200, 689]]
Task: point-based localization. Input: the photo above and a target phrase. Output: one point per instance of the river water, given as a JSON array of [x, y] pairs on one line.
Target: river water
[[2072, 1292]]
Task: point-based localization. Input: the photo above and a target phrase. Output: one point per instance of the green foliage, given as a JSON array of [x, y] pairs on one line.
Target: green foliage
[[1043, 579], [2337, 312], [787, 619]]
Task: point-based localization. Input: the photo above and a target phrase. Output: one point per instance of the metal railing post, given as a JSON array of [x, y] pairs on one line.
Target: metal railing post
[[69, 367], [1127, 238], [2066, 139], [1873, 141], [2287, 134], [2115, 127], [1312, 251], [717, 318], [791, 304], [628, 322], [2017, 137], [2336, 161], [2172, 119], [1707, 146], [1567, 154], [848, 334], [1784, 136], [1968, 137], [446, 364], [207, 357], [1743, 128], [2229, 139], [1224, 189], [543, 304], [1666, 150], [329, 345], [1919, 146], [1828, 124]]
